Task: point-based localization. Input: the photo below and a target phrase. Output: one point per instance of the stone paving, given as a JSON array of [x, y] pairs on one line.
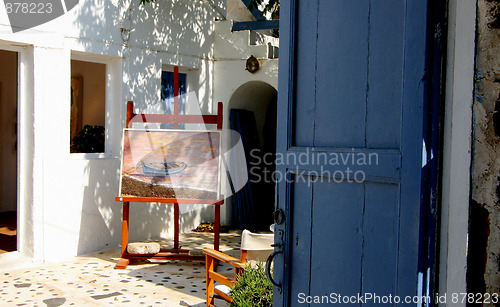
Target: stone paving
[[92, 280]]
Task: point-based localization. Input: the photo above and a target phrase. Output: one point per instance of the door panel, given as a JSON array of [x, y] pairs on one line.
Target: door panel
[[337, 215], [304, 112], [385, 75], [301, 246], [358, 250], [341, 79], [380, 245]]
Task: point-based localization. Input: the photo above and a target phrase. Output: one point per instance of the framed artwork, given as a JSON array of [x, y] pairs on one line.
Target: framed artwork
[[179, 164]]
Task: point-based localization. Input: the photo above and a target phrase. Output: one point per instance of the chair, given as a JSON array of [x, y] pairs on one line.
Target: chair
[[253, 247]]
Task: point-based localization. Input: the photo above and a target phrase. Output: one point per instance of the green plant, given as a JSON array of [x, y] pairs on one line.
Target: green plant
[[268, 6], [272, 6], [89, 139], [252, 288]]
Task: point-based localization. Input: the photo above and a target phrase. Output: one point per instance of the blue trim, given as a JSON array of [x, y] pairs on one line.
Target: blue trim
[[256, 25]]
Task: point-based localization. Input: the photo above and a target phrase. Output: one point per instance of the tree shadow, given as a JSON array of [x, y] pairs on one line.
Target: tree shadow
[[101, 216], [145, 37]]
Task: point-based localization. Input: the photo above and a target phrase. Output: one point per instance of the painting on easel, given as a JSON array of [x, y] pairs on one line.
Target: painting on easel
[[177, 164]]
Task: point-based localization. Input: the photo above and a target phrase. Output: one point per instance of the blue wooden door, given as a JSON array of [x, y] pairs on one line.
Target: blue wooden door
[[351, 150]]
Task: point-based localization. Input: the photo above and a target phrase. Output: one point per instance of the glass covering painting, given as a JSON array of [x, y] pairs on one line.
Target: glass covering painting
[[170, 164], [168, 93]]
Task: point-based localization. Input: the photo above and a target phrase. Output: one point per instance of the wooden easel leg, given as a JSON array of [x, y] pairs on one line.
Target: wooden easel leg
[[122, 263], [126, 215], [176, 226], [216, 235]]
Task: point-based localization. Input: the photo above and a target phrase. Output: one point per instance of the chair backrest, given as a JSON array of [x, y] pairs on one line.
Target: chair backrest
[[256, 246]]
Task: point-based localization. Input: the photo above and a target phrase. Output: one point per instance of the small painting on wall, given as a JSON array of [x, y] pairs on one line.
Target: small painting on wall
[[177, 164]]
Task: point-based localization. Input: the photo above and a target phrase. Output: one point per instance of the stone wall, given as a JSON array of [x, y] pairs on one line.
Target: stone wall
[[483, 272]]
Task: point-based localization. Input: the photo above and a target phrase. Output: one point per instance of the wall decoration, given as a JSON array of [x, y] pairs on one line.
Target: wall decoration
[[177, 164], [253, 64]]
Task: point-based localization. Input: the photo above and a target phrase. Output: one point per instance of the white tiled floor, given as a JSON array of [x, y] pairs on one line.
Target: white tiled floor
[[92, 280]]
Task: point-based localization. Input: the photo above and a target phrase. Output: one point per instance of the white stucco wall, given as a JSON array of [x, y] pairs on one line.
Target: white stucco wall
[[66, 201], [236, 10], [231, 76]]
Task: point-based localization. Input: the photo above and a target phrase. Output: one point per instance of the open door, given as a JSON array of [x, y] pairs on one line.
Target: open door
[[354, 95]]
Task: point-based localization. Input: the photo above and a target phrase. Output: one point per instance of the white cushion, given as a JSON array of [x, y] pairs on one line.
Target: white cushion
[[256, 241]]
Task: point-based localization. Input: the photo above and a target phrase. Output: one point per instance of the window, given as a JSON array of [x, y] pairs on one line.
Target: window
[[167, 95], [88, 106]]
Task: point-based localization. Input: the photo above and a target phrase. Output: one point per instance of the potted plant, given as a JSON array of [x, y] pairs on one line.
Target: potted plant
[[252, 288], [89, 139]]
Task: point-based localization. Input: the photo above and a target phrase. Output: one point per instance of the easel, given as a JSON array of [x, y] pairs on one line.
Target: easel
[[176, 253]]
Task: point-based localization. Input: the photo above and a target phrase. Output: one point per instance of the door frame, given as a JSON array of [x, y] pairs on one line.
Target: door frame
[[457, 143], [25, 151], [286, 89]]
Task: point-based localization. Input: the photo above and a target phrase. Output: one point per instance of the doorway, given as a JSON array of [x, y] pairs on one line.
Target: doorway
[[252, 113], [8, 151]]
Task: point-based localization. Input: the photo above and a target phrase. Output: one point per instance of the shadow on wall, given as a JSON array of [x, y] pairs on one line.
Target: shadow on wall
[[155, 221], [162, 32], [148, 36], [174, 25], [100, 226], [102, 215]]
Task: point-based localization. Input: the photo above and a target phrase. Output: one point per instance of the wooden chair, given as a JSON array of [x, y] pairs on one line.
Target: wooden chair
[[253, 247]]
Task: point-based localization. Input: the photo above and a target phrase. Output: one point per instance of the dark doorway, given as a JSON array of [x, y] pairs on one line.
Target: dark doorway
[[8, 151], [253, 115]]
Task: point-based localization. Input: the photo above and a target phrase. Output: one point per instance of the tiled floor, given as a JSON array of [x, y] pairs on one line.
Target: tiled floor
[[92, 280]]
